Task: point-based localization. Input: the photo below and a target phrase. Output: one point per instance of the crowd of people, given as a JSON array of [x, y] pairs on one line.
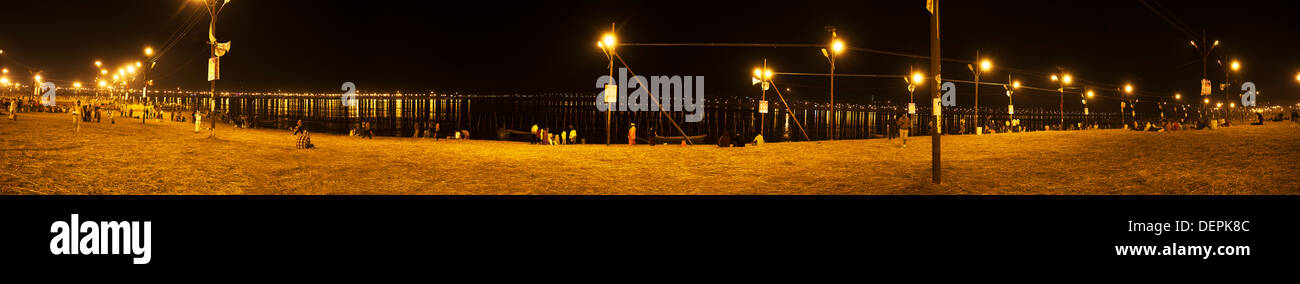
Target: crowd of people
[[544, 135]]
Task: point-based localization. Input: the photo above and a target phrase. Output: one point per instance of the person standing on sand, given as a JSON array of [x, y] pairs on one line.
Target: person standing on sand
[[631, 134], [536, 135], [76, 116], [904, 126]]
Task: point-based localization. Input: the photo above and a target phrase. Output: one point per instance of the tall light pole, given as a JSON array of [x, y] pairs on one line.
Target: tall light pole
[[984, 66], [100, 78], [1128, 92], [144, 88], [608, 44], [1085, 96], [836, 47], [933, 7], [763, 75], [1204, 48], [214, 9], [1011, 87], [1063, 80]]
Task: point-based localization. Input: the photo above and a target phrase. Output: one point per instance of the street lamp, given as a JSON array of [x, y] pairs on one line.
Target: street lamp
[[915, 80], [608, 44], [763, 75], [1205, 54], [214, 8], [1011, 88], [984, 66], [836, 47], [1063, 80]]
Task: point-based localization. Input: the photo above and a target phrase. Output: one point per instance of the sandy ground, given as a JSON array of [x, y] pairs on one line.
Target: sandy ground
[[41, 154]]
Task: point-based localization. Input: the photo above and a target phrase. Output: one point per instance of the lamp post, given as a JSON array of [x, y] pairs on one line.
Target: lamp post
[[1011, 88], [984, 66], [1205, 53], [1126, 92], [144, 88], [763, 75], [1064, 80], [608, 44], [1087, 95], [214, 8], [836, 47], [1178, 98]]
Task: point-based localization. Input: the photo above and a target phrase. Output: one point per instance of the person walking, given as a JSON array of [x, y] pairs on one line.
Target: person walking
[[904, 126]]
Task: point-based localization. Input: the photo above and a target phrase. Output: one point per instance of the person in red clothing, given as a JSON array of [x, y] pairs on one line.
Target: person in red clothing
[[631, 134]]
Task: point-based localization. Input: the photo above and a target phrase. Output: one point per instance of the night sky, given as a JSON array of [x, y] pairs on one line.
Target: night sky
[[509, 47]]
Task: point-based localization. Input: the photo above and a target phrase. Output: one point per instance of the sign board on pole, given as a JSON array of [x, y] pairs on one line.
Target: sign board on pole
[[611, 93], [1205, 87], [938, 112], [762, 106], [938, 109], [1011, 109], [911, 108], [214, 68], [1085, 111], [766, 86]]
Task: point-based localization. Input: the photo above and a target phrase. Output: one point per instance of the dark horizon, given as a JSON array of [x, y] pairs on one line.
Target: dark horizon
[[550, 47]]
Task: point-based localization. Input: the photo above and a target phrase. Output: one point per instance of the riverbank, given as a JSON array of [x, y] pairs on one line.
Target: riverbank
[[41, 154]]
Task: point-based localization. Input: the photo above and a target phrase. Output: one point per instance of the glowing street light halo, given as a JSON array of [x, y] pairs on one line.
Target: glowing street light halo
[[837, 46]]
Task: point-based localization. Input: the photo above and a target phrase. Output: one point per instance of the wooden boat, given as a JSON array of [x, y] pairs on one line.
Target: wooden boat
[[697, 139]]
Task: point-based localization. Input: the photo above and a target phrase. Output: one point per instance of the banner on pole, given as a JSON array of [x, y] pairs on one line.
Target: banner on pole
[[611, 93], [214, 68], [762, 106]]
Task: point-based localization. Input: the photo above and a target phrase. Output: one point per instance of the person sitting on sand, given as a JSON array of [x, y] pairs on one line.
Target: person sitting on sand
[[366, 132], [573, 135], [758, 140], [650, 136], [724, 140], [304, 140], [537, 136], [298, 128]]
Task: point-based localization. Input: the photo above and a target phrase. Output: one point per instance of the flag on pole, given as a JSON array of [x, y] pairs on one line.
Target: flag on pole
[[929, 6]]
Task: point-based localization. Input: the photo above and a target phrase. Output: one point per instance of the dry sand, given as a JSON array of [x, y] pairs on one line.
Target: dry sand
[[41, 154]]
